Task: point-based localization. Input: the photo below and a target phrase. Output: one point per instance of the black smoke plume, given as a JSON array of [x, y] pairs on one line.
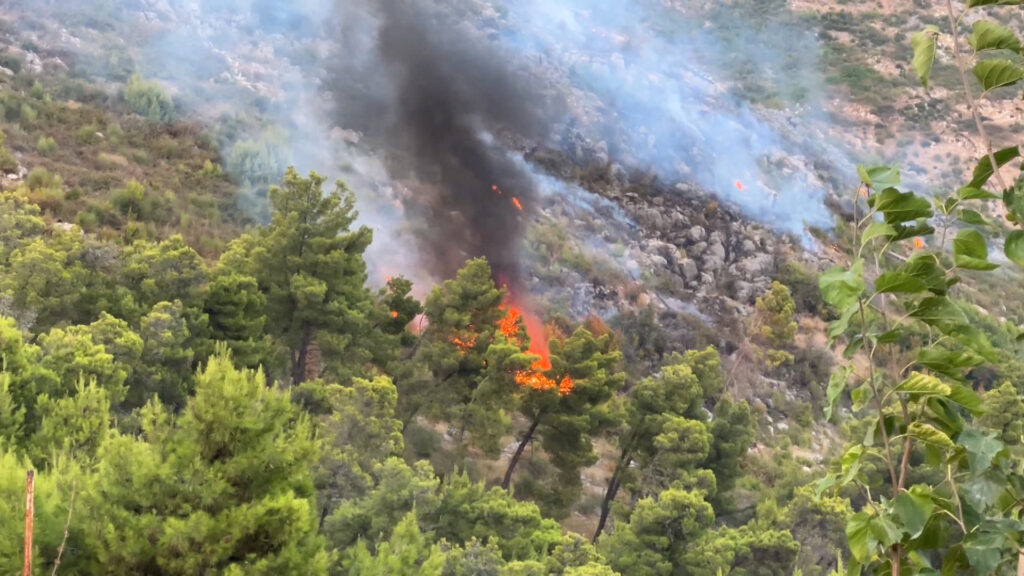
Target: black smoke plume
[[442, 105]]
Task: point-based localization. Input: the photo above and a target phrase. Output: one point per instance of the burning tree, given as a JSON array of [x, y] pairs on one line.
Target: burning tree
[[565, 417]]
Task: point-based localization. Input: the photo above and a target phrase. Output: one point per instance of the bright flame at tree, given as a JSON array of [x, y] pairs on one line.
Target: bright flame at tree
[[534, 377]]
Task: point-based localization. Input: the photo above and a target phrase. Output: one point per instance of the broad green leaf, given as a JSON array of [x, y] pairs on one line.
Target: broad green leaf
[[975, 194], [913, 508], [951, 363], [983, 490], [988, 35], [973, 217], [861, 395], [876, 230], [850, 463], [935, 534], [826, 482], [923, 384], [929, 434], [859, 536], [1014, 247], [924, 267], [841, 287], [923, 43], [836, 385], [970, 251], [919, 229], [967, 398], [899, 207], [997, 73], [981, 449], [879, 177], [984, 550], [974, 339], [983, 170], [938, 311], [885, 531], [900, 283], [837, 327]]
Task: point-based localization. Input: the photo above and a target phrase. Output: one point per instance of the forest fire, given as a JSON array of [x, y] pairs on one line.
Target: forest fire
[[534, 377]]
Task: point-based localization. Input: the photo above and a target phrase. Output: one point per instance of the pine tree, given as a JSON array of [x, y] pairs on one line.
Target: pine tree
[[309, 263]]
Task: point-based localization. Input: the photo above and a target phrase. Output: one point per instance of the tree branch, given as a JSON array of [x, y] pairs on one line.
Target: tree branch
[[67, 526], [972, 104]]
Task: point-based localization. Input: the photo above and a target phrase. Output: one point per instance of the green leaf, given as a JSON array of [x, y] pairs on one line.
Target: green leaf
[[841, 287], [948, 362], [1014, 247], [967, 398], [861, 395], [996, 73], [875, 230], [836, 385], [885, 531], [938, 311], [913, 508], [850, 463], [899, 283], [859, 536], [981, 449], [923, 384], [923, 266], [984, 551], [983, 171], [929, 434], [975, 194], [981, 491], [973, 217], [899, 207], [923, 43], [837, 327], [974, 339], [879, 177], [988, 35], [971, 251]]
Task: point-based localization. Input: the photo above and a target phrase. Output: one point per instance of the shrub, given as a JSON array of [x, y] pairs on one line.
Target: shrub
[[40, 178], [129, 199], [88, 135], [88, 220], [46, 146], [803, 285], [7, 162], [28, 114], [149, 100]]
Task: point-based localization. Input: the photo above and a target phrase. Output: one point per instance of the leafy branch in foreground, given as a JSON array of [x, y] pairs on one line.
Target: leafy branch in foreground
[[949, 495]]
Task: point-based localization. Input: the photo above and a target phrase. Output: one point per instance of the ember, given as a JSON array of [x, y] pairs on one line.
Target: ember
[[516, 202]]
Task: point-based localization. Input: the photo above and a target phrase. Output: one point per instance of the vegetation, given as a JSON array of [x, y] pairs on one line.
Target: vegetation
[[205, 380]]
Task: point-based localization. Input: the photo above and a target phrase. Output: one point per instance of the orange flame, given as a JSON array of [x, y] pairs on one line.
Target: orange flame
[[739, 185], [516, 202], [534, 377], [394, 313], [864, 191], [918, 243]]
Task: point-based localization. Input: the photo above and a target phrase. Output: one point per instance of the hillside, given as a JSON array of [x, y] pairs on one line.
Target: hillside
[[624, 288]]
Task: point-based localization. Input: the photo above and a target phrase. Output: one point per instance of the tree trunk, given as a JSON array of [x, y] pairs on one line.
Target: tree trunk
[[613, 488], [299, 358], [519, 452]]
